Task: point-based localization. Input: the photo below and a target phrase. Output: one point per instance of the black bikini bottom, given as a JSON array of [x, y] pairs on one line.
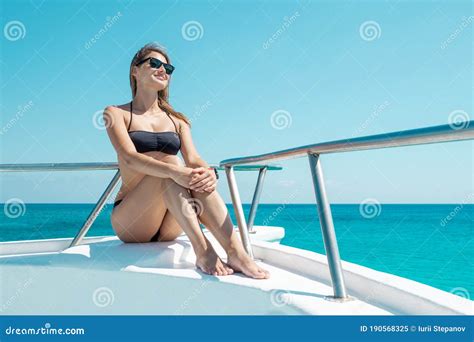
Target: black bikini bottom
[[154, 237]]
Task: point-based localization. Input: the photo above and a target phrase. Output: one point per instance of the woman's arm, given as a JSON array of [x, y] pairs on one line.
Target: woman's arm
[[188, 150], [198, 162], [203, 178], [126, 150]]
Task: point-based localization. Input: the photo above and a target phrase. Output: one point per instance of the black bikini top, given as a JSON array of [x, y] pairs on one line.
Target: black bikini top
[[146, 141]]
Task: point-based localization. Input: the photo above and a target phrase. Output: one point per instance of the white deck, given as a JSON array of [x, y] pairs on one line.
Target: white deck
[[106, 276]]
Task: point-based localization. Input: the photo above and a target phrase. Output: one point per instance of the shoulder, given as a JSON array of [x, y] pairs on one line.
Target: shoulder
[[182, 125], [117, 108], [116, 112]]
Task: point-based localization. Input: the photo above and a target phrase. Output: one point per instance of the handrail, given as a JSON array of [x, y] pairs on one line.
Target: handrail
[[100, 166], [39, 167], [419, 136]]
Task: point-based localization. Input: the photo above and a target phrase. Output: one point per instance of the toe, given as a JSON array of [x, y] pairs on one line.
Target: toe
[[261, 273], [228, 269], [255, 274], [266, 273], [223, 270]]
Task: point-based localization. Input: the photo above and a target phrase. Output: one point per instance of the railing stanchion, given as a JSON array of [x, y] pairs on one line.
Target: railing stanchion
[[256, 198], [239, 212], [327, 228], [97, 209]]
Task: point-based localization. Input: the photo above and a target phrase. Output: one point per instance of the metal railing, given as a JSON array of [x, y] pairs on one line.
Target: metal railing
[[41, 167], [419, 136]]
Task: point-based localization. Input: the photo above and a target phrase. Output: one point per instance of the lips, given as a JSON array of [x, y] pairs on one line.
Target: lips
[[160, 78]]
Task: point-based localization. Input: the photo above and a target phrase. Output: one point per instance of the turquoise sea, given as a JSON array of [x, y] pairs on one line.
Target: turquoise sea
[[432, 244]]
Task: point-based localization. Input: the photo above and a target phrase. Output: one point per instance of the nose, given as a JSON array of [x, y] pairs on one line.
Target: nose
[[161, 69]]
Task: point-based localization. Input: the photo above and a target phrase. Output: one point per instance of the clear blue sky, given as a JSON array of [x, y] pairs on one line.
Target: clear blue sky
[[332, 69]]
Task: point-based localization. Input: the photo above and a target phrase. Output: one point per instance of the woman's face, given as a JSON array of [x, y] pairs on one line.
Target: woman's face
[[148, 77]]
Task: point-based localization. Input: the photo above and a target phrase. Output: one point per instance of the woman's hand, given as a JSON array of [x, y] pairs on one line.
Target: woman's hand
[[203, 179], [183, 176]]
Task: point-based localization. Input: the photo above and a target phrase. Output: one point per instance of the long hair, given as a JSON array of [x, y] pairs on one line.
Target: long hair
[[163, 95]]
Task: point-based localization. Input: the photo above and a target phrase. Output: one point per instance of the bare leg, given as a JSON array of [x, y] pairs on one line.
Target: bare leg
[[215, 216], [144, 209], [177, 200]]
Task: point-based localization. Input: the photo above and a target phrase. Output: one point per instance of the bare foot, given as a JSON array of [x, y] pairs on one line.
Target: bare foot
[[241, 262], [210, 263]]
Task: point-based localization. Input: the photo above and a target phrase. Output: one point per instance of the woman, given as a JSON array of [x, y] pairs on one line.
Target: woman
[[159, 192]]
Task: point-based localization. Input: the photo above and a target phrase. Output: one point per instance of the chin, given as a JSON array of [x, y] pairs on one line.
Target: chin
[[159, 85]]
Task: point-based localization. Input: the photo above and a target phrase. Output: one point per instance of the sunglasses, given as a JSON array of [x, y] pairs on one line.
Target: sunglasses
[[155, 63]]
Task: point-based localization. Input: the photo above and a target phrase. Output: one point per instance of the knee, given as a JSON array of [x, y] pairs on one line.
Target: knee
[[170, 186]]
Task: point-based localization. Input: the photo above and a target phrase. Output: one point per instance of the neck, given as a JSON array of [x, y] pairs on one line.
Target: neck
[[146, 101]]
